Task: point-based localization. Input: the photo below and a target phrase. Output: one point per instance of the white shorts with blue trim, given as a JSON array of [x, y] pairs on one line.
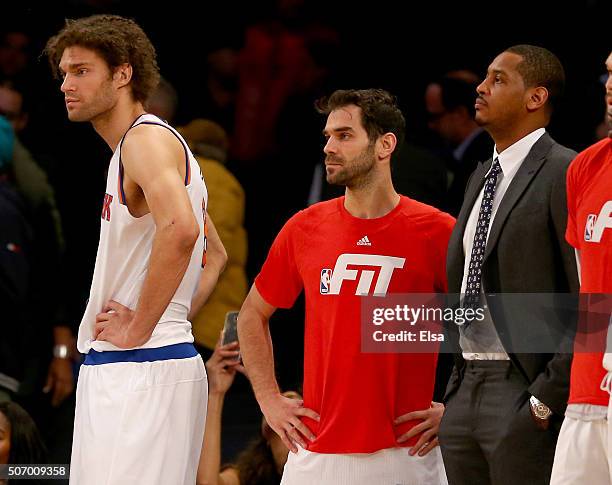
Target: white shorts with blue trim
[[140, 417]]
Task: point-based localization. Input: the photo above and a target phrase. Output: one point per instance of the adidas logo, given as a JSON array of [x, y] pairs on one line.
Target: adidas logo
[[364, 241]]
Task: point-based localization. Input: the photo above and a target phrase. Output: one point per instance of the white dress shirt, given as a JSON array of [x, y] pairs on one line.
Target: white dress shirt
[[510, 161]]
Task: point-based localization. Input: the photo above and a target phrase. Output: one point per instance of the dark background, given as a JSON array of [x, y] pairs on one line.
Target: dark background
[[398, 46]]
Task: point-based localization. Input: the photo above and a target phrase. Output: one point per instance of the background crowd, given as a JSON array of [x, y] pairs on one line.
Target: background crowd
[[239, 82]]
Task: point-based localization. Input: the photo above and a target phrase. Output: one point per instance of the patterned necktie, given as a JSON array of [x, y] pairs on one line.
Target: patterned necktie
[[472, 289]]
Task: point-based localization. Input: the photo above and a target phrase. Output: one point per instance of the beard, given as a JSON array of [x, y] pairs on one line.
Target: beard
[[100, 104], [609, 120], [352, 172]]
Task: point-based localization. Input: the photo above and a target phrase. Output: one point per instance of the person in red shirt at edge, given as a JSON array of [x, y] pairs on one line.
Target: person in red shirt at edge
[[584, 448], [366, 417]]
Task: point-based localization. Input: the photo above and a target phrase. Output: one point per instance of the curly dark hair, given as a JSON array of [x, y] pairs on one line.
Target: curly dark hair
[[27, 446], [379, 111], [256, 464], [118, 41]]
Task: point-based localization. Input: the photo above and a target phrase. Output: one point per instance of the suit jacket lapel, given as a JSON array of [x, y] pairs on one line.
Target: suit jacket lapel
[[526, 172]]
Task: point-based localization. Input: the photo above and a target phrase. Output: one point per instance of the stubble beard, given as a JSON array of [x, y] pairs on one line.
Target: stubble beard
[[100, 104], [354, 172]]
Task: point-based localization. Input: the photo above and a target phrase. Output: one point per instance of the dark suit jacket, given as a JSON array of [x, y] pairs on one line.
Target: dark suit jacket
[[526, 253]]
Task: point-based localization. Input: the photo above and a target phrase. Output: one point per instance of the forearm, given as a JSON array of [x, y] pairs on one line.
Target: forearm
[[170, 256], [208, 280], [210, 457], [257, 355], [62, 335], [216, 258]]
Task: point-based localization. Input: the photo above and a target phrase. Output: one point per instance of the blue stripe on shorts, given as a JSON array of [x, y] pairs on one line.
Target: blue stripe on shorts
[[176, 351]]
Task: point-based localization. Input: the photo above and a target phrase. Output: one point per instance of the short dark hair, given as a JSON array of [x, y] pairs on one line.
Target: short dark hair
[[540, 67], [118, 40], [457, 93], [27, 445], [379, 111]]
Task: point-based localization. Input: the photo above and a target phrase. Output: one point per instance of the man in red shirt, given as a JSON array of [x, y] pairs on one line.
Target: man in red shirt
[[365, 415], [584, 452]]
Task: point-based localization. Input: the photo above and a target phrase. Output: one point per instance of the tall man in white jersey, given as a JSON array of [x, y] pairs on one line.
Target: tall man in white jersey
[[141, 393]]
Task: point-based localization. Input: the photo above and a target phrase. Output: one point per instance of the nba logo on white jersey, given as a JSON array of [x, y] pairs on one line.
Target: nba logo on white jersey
[[590, 225], [325, 279]]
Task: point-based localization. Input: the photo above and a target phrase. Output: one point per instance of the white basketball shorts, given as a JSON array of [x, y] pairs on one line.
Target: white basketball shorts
[[140, 417], [393, 466]]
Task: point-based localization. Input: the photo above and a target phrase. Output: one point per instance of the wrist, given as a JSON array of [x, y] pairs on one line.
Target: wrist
[[135, 335], [61, 351], [216, 396], [265, 398]]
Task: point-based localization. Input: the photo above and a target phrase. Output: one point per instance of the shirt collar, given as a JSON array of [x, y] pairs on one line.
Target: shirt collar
[[511, 158]]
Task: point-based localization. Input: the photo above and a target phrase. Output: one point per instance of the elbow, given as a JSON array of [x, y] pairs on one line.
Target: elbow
[[186, 235], [222, 259], [217, 256], [206, 481]]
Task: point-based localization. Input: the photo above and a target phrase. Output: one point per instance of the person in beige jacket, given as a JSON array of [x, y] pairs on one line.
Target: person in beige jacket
[[209, 144]]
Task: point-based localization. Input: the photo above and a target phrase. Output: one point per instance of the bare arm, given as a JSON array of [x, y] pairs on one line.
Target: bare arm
[[216, 258], [281, 413], [152, 157], [256, 344], [221, 369]]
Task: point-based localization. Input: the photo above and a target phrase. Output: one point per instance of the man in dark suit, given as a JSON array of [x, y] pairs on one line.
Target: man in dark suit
[[450, 108], [505, 406]]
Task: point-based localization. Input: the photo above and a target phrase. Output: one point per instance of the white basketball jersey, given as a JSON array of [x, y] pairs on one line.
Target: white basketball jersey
[[125, 249]]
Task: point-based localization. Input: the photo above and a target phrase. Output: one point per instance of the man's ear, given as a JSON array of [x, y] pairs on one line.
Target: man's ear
[[386, 145], [537, 97], [123, 74]]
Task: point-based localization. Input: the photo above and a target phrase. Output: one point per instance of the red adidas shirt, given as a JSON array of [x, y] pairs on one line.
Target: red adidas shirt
[[357, 395], [589, 229]]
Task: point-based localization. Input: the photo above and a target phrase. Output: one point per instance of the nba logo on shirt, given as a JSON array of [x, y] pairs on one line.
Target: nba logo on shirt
[[590, 225], [325, 279]]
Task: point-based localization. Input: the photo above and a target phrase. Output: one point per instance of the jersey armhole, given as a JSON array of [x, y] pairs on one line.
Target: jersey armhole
[[121, 192]]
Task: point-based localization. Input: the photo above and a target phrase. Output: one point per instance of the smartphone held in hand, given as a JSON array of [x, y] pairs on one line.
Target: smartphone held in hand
[[230, 329]]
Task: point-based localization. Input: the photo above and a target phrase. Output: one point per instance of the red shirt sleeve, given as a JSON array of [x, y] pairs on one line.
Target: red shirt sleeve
[[571, 234], [279, 282]]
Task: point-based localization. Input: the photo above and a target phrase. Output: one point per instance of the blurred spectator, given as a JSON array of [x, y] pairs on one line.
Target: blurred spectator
[[45, 251], [262, 462], [450, 106], [163, 101], [273, 64], [30, 178], [209, 143], [14, 54], [15, 240], [20, 441], [36, 347], [219, 98]]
